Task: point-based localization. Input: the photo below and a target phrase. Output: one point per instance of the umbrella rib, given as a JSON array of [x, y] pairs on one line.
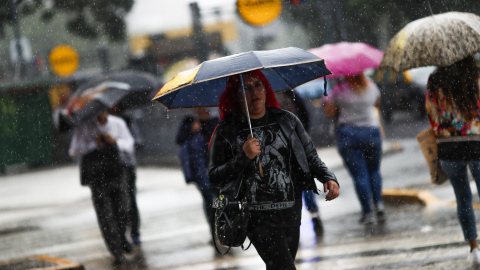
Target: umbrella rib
[[186, 107], [262, 67], [173, 92], [292, 87]]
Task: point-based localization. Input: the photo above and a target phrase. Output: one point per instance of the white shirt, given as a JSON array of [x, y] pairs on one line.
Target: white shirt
[[84, 137], [356, 109]]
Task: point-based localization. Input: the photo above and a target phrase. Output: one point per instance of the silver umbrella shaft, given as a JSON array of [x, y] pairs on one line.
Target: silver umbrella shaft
[[249, 123], [246, 105]]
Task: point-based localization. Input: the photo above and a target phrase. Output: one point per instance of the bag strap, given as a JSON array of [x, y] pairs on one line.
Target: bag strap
[[249, 244], [218, 250], [246, 211]]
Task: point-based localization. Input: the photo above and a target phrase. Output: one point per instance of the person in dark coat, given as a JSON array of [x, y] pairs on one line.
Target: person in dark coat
[[270, 169], [103, 144], [193, 137], [131, 174]]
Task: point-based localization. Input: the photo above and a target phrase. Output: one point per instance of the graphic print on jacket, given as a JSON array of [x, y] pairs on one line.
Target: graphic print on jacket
[[275, 189]]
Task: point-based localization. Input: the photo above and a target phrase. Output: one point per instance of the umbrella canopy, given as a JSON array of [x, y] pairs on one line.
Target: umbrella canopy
[[348, 58], [437, 40], [125, 89], [202, 86]]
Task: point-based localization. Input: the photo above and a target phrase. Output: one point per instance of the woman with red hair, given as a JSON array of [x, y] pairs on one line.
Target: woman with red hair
[[270, 169], [228, 99]]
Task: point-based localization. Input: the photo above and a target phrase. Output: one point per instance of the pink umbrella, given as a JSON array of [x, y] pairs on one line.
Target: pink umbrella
[[348, 58]]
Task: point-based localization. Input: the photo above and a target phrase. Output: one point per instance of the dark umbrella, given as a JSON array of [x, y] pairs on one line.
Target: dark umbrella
[[124, 89], [202, 86]]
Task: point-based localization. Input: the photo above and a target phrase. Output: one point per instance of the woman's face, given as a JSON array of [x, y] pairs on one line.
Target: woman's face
[[256, 96]]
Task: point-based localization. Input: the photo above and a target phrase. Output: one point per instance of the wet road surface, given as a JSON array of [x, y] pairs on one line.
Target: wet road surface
[[47, 212]]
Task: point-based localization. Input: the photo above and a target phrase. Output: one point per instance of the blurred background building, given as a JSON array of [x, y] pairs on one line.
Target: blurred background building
[[163, 38]]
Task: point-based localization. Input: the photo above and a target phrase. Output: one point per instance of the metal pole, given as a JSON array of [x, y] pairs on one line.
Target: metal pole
[[198, 34], [104, 58], [18, 45], [340, 26], [326, 8]]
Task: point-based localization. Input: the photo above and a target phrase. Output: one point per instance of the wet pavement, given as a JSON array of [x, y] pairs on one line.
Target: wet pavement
[[47, 212]]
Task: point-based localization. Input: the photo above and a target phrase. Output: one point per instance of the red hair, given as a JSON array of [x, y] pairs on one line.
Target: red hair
[[228, 100]]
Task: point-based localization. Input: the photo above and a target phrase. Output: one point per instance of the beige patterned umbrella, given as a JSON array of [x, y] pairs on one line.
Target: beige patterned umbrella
[[437, 40]]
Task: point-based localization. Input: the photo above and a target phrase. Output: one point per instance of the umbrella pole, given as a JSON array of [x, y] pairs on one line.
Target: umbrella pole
[[246, 105], [250, 124]]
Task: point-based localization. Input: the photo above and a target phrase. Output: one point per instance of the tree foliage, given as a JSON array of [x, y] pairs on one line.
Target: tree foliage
[[365, 20], [90, 18]]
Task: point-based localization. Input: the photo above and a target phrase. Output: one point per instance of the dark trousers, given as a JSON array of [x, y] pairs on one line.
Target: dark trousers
[[134, 216], [276, 246], [110, 202]]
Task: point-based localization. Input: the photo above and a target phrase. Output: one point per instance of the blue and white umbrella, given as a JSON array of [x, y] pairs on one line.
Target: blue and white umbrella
[[202, 86]]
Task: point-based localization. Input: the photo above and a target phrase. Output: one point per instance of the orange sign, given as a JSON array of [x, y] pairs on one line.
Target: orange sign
[[259, 12], [63, 60]]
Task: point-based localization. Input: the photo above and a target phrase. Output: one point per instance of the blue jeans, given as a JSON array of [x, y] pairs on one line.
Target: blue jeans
[[457, 173], [361, 150], [310, 202]]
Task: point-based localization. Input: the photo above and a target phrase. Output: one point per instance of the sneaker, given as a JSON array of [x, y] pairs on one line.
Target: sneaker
[[474, 256], [136, 240], [367, 218], [380, 208], [317, 226]]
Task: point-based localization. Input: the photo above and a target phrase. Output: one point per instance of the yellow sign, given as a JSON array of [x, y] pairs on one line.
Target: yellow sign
[[63, 60], [259, 12]]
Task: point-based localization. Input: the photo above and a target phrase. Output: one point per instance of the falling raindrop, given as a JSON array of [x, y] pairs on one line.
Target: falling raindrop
[[427, 228]]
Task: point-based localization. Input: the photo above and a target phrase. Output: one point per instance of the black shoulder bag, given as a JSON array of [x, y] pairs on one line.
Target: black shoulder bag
[[231, 221]]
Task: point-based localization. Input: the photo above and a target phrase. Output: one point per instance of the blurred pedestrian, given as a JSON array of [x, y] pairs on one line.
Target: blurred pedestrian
[[193, 137], [293, 102], [131, 173], [355, 104], [270, 169], [103, 144], [453, 108]]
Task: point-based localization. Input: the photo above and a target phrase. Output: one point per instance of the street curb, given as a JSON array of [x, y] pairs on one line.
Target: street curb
[[400, 196], [392, 147], [423, 197], [397, 196], [41, 262]]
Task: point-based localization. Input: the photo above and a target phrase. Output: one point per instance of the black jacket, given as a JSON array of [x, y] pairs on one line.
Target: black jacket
[[226, 164]]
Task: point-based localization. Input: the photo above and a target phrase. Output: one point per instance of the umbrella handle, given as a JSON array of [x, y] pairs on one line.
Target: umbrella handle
[[325, 85]]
